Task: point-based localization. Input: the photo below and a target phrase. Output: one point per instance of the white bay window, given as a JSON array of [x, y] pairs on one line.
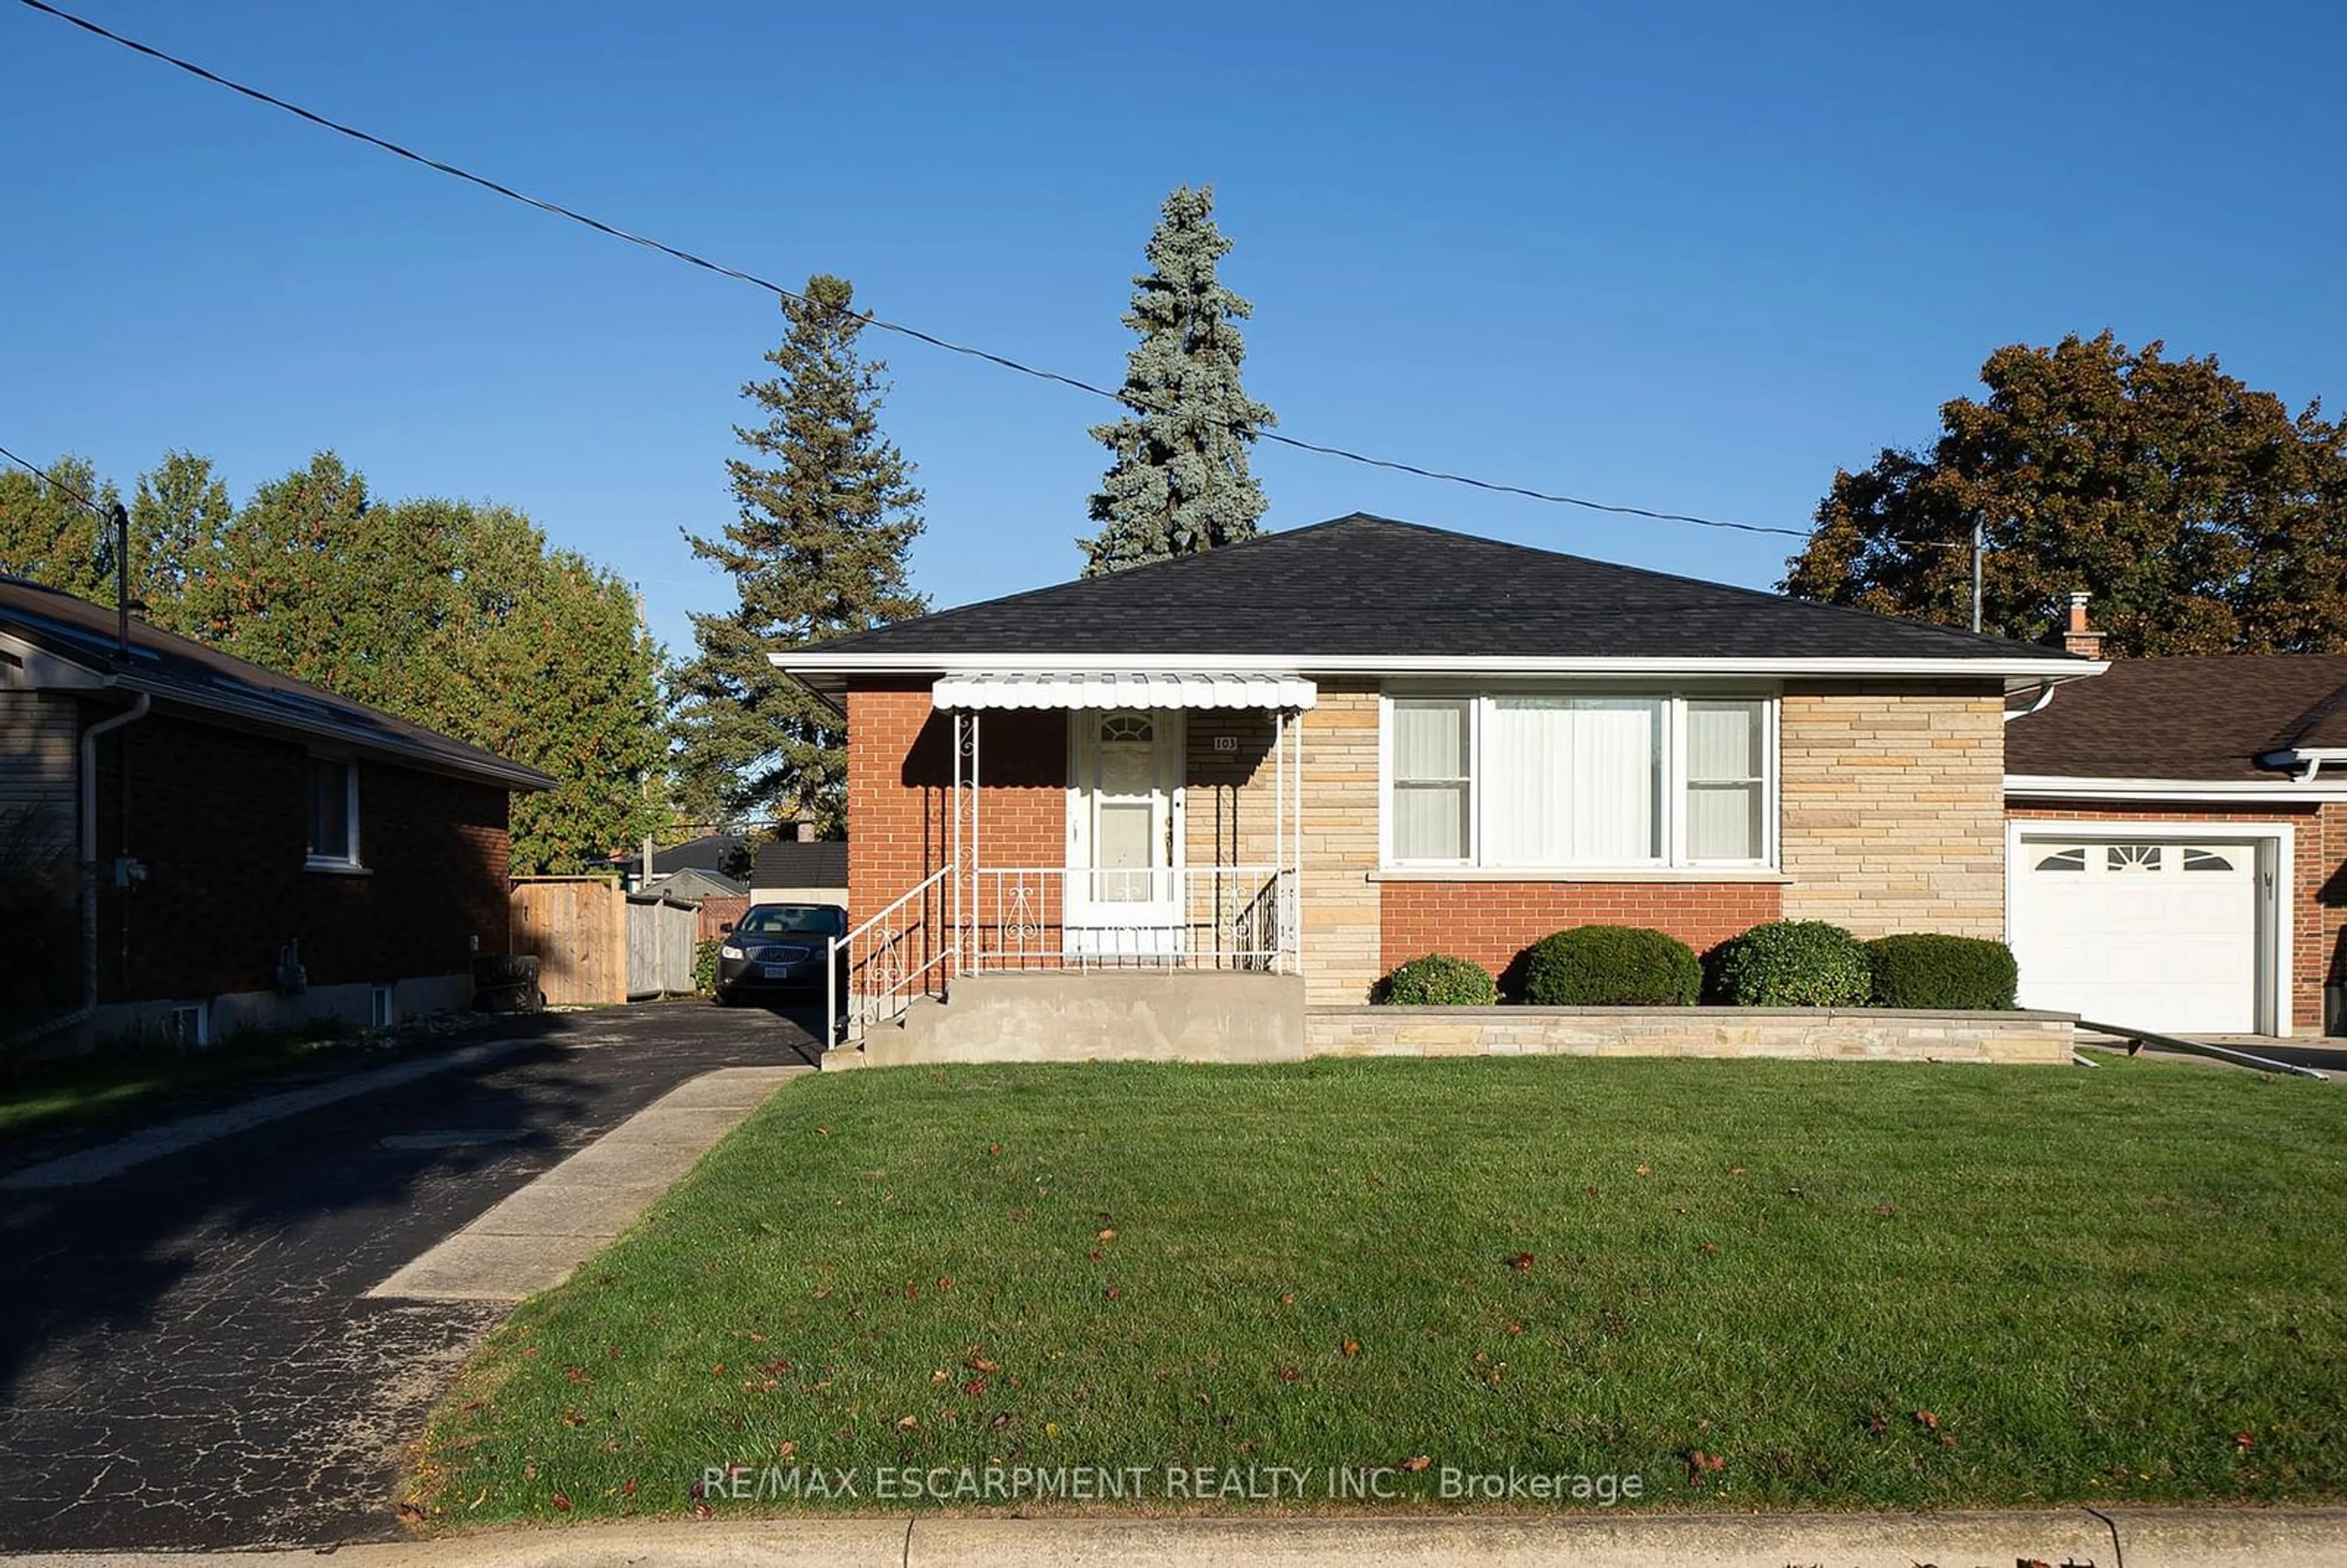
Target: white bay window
[[1561, 780]]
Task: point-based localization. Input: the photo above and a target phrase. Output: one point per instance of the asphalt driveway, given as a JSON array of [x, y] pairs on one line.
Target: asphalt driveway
[[186, 1355]]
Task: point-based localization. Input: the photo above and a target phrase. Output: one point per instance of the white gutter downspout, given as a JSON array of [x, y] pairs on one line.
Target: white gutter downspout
[[2045, 689], [131, 715]]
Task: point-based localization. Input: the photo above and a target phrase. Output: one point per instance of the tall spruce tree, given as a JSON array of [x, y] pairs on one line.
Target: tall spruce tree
[[826, 514], [1179, 482]]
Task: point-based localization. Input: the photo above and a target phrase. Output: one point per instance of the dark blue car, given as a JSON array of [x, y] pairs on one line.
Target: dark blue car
[[775, 951]]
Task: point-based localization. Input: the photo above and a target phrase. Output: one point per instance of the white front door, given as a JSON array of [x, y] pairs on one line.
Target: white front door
[[1123, 897], [2156, 934]]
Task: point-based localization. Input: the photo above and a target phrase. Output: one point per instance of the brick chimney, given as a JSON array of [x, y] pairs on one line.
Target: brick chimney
[[2077, 637]]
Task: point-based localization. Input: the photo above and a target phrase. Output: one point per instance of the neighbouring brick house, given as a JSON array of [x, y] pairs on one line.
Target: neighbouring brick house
[[1335, 748], [2179, 843], [261, 850]]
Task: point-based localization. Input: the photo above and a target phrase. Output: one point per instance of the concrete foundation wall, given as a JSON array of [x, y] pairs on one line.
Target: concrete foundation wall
[[1800, 1033], [230, 1014], [1117, 1016]]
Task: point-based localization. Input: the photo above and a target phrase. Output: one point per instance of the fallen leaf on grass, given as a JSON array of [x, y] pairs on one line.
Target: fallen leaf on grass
[[912, 1291], [1289, 1375], [1352, 1347], [906, 1423], [561, 1503], [475, 1404], [2243, 1441], [939, 1375], [945, 1282], [1116, 1293], [1708, 1248], [1417, 1462], [702, 1510], [994, 1151], [1287, 1298], [1108, 1233], [1927, 1420], [1645, 1169], [1701, 1464], [529, 1352], [627, 1486], [822, 1132], [1885, 1210], [576, 1373], [974, 1388], [1097, 1254], [1520, 1262], [1516, 1328], [410, 1514]]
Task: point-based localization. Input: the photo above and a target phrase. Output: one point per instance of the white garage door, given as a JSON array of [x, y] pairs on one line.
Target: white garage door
[[2161, 936]]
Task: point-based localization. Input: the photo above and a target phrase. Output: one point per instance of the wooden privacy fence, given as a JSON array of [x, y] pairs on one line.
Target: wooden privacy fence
[[717, 913], [595, 943]]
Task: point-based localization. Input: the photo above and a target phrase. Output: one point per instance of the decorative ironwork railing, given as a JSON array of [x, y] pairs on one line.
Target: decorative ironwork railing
[[1199, 917]]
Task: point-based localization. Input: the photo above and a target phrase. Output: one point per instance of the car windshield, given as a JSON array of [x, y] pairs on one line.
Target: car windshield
[[793, 920]]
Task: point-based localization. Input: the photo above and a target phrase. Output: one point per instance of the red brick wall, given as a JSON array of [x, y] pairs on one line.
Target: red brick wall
[[2318, 896], [899, 774], [220, 820], [1492, 922]]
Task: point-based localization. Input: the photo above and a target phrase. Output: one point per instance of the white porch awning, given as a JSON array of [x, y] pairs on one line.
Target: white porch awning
[[1124, 689]]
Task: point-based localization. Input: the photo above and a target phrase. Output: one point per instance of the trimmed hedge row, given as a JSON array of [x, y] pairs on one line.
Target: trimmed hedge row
[[1786, 963]]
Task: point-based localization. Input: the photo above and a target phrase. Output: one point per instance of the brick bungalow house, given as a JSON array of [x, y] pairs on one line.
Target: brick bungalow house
[[261, 850], [1324, 752], [2177, 842]]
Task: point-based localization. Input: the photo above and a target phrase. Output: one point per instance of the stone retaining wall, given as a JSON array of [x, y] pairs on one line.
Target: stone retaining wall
[[1825, 1034]]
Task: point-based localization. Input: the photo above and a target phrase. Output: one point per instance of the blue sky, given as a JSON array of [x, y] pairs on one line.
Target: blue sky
[[1690, 257]]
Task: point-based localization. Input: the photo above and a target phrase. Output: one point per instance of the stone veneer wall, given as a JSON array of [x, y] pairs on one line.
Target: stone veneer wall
[[1342, 936], [1802, 1033], [1893, 807]]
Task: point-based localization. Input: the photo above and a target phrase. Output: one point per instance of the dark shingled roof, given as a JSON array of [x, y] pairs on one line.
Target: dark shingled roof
[[1370, 587], [787, 864], [2207, 718], [178, 671]]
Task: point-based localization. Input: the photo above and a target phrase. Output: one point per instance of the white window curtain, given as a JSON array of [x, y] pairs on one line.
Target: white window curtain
[[1724, 773], [1570, 779], [1432, 744]]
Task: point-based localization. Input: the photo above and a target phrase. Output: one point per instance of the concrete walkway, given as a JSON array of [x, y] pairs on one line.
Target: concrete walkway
[[532, 1240], [2214, 1537]]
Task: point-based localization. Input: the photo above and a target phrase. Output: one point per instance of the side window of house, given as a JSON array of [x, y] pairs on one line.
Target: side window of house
[[334, 812]]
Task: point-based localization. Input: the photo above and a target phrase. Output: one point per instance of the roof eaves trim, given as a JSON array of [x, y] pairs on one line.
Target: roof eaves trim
[[2058, 786], [2051, 668]]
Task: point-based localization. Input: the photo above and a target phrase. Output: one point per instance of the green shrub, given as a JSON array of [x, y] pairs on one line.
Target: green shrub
[[1610, 966], [1792, 964], [1438, 980], [705, 966], [1927, 970]]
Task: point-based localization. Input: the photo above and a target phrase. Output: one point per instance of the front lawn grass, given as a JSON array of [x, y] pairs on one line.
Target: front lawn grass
[[1766, 1284]]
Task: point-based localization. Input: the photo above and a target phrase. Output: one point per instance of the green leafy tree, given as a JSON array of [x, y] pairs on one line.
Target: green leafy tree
[[826, 516], [180, 516], [1179, 482], [49, 536], [2202, 515], [459, 618]]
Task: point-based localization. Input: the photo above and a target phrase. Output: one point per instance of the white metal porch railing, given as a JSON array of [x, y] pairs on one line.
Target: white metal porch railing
[[1198, 917], [872, 974]]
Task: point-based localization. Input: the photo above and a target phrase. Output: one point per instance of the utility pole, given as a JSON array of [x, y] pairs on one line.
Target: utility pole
[[1978, 534], [121, 521]]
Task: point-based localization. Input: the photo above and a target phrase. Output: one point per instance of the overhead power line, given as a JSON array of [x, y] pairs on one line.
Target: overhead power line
[[1004, 361]]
